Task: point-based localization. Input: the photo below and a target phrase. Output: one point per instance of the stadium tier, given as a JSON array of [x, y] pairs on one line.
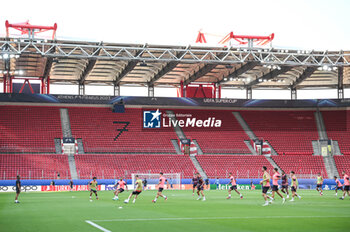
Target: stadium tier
[[99, 129], [114, 166], [29, 129], [305, 166], [337, 126], [34, 166], [289, 132], [342, 163], [242, 166], [229, 138]]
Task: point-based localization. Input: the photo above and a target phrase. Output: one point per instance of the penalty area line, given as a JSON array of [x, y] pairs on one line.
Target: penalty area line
[[97, 226], [213, 218]]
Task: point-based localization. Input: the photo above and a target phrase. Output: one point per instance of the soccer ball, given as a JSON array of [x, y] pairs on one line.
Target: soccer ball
[[126, 201]]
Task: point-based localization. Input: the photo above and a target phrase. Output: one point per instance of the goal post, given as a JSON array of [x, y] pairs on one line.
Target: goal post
[[174, 180]]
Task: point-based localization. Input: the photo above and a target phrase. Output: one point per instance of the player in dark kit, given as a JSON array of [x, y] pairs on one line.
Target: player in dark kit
[[144, 182], [71, 185], [200, 187], [18, 188], [284, 188], [194, 182]]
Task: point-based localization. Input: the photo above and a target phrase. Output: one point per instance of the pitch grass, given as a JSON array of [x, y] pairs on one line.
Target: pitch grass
[[68, 211]]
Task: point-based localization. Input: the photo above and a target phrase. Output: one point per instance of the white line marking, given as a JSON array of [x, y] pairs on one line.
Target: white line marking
[[97, 226], [211, 218]]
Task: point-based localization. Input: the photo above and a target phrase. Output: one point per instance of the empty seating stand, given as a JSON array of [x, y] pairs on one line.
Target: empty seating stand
[[337, 124], [98, 127], [242, 166], [305, 166], [34, 166], [29, 129], [343, 163], [114, 166], [289, 132], [229, 138]]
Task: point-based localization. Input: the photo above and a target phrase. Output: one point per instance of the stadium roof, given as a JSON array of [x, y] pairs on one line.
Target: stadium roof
[[79, 62]]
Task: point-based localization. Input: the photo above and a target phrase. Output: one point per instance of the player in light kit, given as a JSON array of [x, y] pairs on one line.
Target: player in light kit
[[294, 185], [284, 188], [266, 185], [319, 183], [346, 186], [233, 187], [339, 185], [200, 187], [161, 184], [137, 191], [194, 182], [120, 186], [93, 188], [276, 176]]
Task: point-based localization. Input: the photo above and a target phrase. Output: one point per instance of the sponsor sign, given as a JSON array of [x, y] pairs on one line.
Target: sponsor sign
[[58, 188], [239, 187], [28, 188], [158, 119]]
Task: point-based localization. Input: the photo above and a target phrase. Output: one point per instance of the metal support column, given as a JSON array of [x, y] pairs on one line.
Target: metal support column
[[116, 90], [150, 90], [48, 85], [10, 84], [81, 89], [340, 83], [5, 82], [293, 94], [249, 94]]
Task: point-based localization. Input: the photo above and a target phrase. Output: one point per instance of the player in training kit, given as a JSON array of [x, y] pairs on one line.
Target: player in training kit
[[233, 187], [295, 184], [194, 182], [284, 188], [71, 185], [346, 186], [144, 184], [120, 186], [137, 191], [319, 183], [266, 185], [18, 188], [93, 188], [161, 184], [339, 185], [275, 177], [200, 187]]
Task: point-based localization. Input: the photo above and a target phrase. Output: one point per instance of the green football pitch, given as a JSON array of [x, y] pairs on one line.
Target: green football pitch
[[72, 211]]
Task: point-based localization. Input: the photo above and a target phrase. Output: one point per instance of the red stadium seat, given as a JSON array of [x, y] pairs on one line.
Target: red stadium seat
[[289, 132], [114, 166], [343, 163], [305, 166], [242, 166], [229, 138], [95, 126], [337, 124], [33, 166], [29, 129]]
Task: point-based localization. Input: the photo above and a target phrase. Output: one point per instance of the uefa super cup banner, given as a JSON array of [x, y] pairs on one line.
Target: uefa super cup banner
[[173, 101]]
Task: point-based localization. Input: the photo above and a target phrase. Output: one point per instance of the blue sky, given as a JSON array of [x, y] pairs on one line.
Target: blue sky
[[304, 24]]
